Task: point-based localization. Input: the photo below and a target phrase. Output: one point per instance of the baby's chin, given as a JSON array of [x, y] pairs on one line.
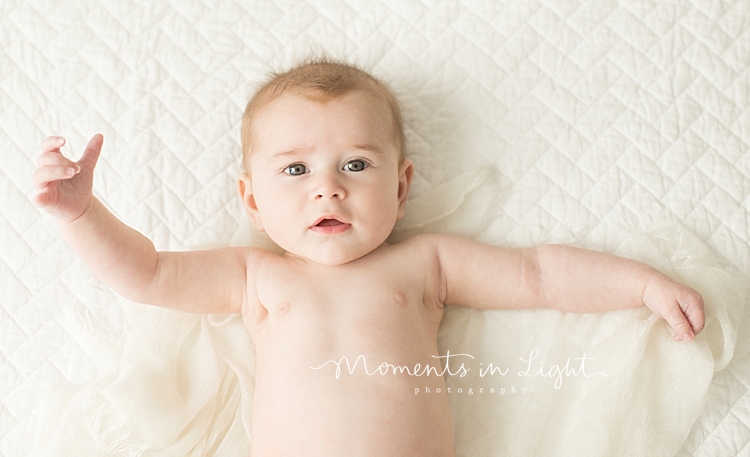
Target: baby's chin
[[332, 250], [333, 254], [330, 259]]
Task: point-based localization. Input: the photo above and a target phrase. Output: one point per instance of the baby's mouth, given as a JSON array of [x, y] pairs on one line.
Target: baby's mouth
[[329, 223], [330, 226]]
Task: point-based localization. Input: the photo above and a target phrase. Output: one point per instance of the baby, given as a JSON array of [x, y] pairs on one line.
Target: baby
[[326, 177]]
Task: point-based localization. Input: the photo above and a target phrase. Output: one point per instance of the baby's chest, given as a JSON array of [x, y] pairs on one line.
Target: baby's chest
[[370, 311], [347, 299]]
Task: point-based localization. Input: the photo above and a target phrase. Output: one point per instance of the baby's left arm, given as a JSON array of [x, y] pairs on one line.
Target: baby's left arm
[[562, 277]]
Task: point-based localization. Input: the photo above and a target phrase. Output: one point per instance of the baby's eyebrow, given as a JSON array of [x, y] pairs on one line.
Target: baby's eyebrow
[[370, 148], [287, 153]]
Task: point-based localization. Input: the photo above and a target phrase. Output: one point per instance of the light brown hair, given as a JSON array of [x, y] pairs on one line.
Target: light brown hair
[[321, 79]]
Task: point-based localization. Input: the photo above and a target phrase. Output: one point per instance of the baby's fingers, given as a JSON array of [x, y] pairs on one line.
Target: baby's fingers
[[686, 316], [52, 143], [91, 154], [679, 305], [45, 175], [54, 159], [682, 329], [691, 304], [53, 166]]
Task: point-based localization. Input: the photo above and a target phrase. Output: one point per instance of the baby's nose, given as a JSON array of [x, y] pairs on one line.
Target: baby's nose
[[328, 187]]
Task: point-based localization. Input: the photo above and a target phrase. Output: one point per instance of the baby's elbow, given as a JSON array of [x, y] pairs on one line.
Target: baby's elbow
[[531, 277], [150, 286]]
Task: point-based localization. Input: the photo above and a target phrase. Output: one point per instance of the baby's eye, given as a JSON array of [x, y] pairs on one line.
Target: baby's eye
[[295, 169], [355, 165]]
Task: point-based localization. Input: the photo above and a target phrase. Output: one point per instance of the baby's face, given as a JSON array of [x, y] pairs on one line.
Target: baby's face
[[326, 182]]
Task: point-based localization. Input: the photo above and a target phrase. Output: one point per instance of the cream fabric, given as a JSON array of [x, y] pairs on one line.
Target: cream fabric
[[568, 384]]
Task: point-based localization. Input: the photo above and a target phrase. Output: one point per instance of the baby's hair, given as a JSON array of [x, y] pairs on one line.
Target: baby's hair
[[321, 80]]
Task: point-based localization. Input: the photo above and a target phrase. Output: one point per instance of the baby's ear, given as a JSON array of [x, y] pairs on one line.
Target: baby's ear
[[405, 173], [244, 185]]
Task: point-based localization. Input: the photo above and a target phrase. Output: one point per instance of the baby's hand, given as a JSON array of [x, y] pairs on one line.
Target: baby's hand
[[63, 187], [679, 305]]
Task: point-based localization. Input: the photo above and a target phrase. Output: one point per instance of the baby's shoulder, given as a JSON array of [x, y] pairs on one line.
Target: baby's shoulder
[[435, 248], [417, 248], [425, 243]]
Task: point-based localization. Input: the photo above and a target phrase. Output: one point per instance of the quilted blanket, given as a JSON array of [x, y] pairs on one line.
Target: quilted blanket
[[619, 126]]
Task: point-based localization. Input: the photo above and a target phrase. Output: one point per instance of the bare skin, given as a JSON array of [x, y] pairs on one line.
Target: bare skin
[[326, 184]]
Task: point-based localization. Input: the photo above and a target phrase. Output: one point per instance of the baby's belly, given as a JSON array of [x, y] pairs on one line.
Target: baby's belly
[[369, 410]]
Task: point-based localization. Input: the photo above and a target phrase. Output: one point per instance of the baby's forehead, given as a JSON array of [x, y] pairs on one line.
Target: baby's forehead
[[357, 111], [384, 108], [361, 98]]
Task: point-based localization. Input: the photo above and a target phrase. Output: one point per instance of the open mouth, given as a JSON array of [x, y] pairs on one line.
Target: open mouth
[[330, 226], [329, 223]]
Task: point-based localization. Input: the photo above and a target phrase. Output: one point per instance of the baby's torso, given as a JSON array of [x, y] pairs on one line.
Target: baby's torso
[[340, 353]]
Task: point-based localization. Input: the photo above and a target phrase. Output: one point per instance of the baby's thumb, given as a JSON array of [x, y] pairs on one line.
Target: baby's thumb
[[91, 154], [680, 325]]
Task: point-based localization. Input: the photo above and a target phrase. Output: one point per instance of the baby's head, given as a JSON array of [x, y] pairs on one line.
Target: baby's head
[[320, 80], [325, 173]]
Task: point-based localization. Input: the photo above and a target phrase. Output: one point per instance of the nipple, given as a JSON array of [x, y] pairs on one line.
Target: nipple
[[282, 309]]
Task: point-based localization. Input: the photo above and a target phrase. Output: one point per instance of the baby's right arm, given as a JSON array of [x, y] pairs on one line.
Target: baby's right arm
[[212, 281]]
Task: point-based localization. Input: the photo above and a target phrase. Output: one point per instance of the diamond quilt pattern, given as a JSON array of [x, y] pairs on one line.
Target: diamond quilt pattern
[[596, 116]]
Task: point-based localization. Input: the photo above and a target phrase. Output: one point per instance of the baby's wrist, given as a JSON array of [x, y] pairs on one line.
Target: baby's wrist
[[88, 209], [653, 282]]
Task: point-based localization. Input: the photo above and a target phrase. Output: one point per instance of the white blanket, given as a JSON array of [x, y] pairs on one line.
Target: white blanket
[[588, 123]]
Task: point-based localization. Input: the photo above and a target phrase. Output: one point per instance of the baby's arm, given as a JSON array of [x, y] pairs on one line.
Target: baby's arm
[[203, 281], [564, 278]]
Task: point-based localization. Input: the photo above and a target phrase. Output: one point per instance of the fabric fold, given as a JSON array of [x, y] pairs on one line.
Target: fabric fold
[[184, 387]]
